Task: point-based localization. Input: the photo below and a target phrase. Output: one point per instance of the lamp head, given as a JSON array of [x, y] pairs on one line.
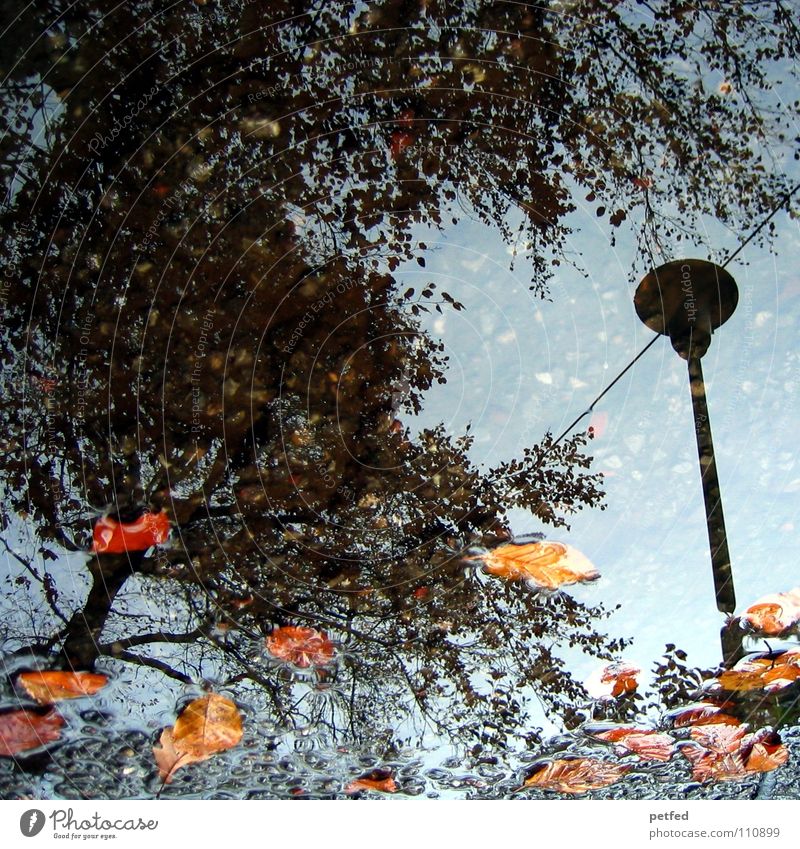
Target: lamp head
[[687, 300]]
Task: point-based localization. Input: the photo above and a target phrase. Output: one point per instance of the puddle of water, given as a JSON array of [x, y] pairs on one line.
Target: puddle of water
[[322, 310]]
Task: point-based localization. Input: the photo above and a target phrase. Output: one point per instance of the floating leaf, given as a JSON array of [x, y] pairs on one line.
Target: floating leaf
[[379, 780], [614, 680], [702, 713], [711, 766], [771, 672], [206, 726], [302, 647], [649, 744], [21, 730], [722, 753], [548, 565], [575, 776], [598, 424], [767, 752], [722, 739], [113, 537], [774, 614], [52, 686]]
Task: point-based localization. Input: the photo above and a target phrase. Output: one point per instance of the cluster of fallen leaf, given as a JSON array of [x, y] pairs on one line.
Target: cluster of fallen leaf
[[26, 729], [719, 748]]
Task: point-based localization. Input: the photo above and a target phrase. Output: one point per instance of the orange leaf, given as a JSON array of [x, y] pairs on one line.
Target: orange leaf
[[774, 614], [768, 672], [21, 730], [767, 752], [702, 714], [302, 647], [725, 753], [575, 776], [206, 726], [52, 686], [614, 680], [649, 744], [721, 739], [712, 766], [548, 565], [113, 537], [379, 780]]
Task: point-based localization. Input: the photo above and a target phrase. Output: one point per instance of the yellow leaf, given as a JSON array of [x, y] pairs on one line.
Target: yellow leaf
[[206, 726]]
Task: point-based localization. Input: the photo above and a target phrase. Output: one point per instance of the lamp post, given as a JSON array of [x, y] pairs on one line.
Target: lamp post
[[688, 300]]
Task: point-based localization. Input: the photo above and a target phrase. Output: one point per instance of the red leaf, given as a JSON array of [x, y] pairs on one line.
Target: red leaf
[[21, 730], [614, 680], [112, 537], [399, 142], [722, 739], [302, 647], [771, 672], [774, 614], [723, 753], [702, 714], [598, 424]]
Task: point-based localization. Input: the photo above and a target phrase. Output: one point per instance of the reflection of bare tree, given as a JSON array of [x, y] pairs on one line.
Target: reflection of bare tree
[[205, 317]]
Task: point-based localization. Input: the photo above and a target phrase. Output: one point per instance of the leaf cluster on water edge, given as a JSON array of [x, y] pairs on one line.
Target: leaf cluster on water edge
[[23, 730]]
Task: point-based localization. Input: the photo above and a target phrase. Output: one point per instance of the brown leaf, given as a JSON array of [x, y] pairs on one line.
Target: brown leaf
[[575, 776], [379, 780], [52, 686], [206, 726], [21, 730], [649, 744], [548, 565]]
